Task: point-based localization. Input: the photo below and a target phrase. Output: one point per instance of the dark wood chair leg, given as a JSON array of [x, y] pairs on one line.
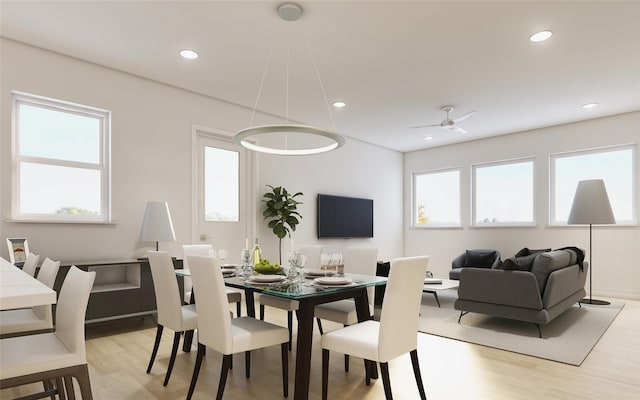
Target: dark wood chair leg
[[172, 360], [417, 374], [284, 353], [247, 364], [226, 360], [60, 387], [196, 370], [238, 309], [155, 347], [384, 369], [539, 331], [290, 326], [346, 363], [84, 383], [367, 372], [325, 373], [320, 326], [68, 387], [261, 312]]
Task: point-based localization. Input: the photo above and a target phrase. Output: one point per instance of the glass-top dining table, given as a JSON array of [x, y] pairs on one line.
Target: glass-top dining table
[[308, 294]]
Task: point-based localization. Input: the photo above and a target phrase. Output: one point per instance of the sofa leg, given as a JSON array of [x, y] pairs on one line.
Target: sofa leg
[[539, 330], [462, 313]]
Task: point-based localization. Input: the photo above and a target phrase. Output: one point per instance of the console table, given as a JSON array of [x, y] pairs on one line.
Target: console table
[[122, 288]]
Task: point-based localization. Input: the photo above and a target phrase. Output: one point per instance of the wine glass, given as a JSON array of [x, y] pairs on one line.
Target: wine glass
[[247, 258], [336, 261], [296, 262], [325, 260], [222, 255]]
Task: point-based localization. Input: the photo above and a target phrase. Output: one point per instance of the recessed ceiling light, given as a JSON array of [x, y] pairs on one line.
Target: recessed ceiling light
[[540, 36], [428, 138], [589, 106], [189, 54], [339, 104]]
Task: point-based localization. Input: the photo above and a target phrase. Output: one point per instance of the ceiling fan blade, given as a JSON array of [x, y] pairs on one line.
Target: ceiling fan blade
[[464, 116], [457, 129], [423, 126]]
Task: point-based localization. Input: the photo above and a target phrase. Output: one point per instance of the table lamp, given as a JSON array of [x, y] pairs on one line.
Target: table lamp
[[157, 225], [591, 206]]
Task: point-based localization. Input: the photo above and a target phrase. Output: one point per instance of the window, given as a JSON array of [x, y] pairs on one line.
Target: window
[[615, 165], [503, 194], [436, 198], [61, 161], [221, 184]]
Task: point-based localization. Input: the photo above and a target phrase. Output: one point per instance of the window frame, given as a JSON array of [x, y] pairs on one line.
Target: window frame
[[414, 216], [475, 167], [103, 165], [598, 150]]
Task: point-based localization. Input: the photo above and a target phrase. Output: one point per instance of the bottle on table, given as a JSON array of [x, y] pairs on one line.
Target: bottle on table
[[257, 253]]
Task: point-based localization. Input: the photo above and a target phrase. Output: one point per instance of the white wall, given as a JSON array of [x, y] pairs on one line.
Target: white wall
[[151, 159], [615, 248]]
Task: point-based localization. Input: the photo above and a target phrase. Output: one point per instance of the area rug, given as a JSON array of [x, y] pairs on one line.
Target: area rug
[[567, 339]]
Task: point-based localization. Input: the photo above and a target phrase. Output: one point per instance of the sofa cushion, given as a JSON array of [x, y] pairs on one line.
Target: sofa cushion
[[545, 263], [479, 258], [527, 252], [523, 263]]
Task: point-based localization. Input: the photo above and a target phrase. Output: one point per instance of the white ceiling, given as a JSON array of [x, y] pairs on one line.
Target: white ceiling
[[395, 63]]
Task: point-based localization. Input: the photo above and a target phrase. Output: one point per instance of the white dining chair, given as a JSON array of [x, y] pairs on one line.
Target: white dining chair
[[358, 260], [312, 261], [226, 335], [30, 264], [172, 313], [56, 355], [37, 319], [312, 254], [395, 334], [233, 296]]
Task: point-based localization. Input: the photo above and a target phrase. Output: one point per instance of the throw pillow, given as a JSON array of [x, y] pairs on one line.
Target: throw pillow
[[527, 252], [477, 258], [519, 263]]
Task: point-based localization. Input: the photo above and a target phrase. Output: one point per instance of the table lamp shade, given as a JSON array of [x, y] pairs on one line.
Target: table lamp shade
[[157, 225], [591, 204]]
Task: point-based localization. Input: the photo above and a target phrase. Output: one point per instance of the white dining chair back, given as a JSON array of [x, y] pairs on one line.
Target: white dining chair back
[[363, 261], [165, 285], [217, 330], [312, 254], [401, 307], [395, 334], [48, 272], [30, 264], [36, 319], [61, 354], [171, 313], [233, 296], [192, 250]]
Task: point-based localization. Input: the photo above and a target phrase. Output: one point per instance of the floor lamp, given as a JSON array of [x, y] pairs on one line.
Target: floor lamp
[[157, 225], [591, 206]]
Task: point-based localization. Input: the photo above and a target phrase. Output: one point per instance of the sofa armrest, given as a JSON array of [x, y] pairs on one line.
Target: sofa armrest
[[513, 288], [564, 282]]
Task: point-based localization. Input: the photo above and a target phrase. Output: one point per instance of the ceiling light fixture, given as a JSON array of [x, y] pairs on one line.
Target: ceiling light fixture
[[589, 106], [339, 104], [189, 54], [289, 12], [540, 36], [428, 138]]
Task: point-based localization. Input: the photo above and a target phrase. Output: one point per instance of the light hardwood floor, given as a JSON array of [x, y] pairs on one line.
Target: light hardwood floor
[[118, 355]]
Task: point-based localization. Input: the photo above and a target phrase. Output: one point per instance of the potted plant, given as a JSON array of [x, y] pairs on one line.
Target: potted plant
[[281, 212]]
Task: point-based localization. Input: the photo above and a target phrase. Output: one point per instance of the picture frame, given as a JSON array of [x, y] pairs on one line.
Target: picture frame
[[18, 250]]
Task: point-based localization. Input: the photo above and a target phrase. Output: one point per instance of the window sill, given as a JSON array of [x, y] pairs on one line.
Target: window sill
[[41, 221]]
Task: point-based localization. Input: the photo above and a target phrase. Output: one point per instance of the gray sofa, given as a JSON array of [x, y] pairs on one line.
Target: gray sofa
[[554, 283]]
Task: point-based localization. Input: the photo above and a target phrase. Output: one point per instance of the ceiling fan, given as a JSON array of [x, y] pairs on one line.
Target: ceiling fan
[[448, 123]]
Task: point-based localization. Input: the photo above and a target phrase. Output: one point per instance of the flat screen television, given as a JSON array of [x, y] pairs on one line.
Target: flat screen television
[[344, 217]]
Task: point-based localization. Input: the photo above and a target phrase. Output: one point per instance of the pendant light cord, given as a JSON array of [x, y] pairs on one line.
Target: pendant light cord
[[264, 75], [324, 94]]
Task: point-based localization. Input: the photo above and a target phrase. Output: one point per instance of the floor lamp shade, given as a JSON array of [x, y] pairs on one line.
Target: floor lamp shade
[[591, 206], [157, 225]]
